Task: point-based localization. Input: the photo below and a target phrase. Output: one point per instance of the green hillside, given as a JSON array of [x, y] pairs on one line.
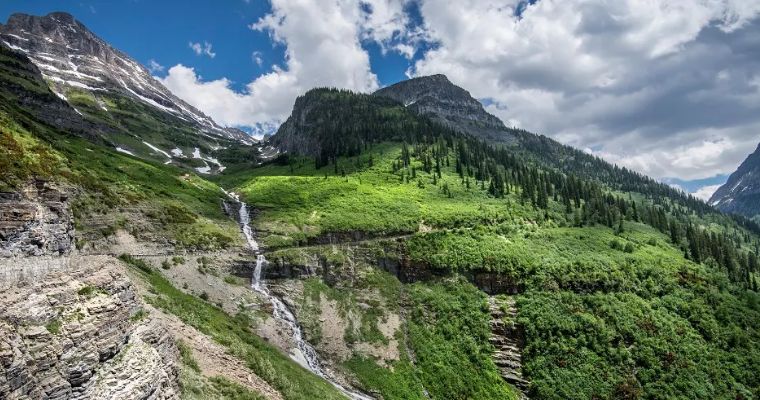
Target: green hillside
[[621, 294], [624, 288]]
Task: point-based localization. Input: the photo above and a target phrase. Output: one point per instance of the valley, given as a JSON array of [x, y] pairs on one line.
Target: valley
[[397, 245]]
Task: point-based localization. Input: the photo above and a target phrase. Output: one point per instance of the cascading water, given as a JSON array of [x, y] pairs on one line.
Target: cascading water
[[304, 354]]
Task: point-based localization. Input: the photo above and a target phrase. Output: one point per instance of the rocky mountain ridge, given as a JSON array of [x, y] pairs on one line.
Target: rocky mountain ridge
[[741, 192], [437, 97], [70, 55]]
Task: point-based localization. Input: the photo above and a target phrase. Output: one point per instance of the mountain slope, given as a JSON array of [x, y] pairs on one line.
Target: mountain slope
[[624, 288], [130, 108], [75, 321], [741, 193]]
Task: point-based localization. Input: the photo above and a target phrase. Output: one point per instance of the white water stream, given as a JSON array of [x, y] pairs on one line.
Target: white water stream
[[304, 354]]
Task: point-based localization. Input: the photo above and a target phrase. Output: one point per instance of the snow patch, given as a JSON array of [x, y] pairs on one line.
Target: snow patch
[[125, 151], [17, 37], [156, 149], [15, 47], [177, 152]]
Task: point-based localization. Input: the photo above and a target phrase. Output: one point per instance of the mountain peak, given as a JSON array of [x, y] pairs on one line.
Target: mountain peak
[[437, 97], [71, 57], [741, 192]]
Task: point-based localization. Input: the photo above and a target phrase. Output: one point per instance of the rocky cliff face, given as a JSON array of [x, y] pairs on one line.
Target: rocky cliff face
[[78, 334], [436, 97], [292, 135], [71, 327], [35, 221], [741, 193], [69, 55]]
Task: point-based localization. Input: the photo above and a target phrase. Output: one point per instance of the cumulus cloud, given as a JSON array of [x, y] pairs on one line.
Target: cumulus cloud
[[201, 49], [705, 192], [323, 48], [663, 87], [669, 88]]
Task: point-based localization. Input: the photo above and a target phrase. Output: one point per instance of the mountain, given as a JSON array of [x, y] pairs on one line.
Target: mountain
[[583, 269], [380, 251], [741, 192], [435, 96], [131, 109]]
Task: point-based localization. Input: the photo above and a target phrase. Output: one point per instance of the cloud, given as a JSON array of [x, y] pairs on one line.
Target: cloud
[[256, 56], [202, 49], [668, 88], [663, 87], [155, 67], [706, 192], [323, 48]]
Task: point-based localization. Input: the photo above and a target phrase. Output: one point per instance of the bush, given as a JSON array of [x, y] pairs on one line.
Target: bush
[[54, 326], [136, 262]]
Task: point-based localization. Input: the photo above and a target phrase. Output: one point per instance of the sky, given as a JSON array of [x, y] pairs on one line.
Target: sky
[[670, 88]]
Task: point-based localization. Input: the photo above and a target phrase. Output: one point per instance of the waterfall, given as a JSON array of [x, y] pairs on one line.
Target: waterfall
[[304, 354]]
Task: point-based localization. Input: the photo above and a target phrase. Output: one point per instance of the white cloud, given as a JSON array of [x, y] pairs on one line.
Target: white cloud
[[637, 79], [155, 67], [669, 88], [705, 192], [256, 56], [323, 48], [204, 48]]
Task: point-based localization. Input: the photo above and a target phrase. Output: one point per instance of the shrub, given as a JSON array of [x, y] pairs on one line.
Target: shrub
[[54, 326], [136, 262]]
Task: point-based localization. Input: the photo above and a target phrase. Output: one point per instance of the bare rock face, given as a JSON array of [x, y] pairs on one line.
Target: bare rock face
[[71, 327], [507, 339], [741, 193], [35, 221], [436, 97], [80, 334]]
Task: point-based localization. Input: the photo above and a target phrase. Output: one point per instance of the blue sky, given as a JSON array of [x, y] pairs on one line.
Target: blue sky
[[670, 89], [162, 30]]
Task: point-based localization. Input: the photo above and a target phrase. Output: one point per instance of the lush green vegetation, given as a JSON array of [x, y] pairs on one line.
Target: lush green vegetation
[[448, 332], [628, 289]]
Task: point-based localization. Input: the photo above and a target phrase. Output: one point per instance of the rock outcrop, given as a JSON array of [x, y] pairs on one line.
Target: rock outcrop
[[741, 193], [82, 334], [507, 338], [36, 221], [436, 97]]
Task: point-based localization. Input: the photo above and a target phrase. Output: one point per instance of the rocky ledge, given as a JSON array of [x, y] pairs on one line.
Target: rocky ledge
[[35, 221], [83, 334]]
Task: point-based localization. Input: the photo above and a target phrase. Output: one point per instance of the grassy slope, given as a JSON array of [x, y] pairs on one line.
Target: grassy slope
[[606, 315], [290, 379], [307, 202], [178, 205]]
